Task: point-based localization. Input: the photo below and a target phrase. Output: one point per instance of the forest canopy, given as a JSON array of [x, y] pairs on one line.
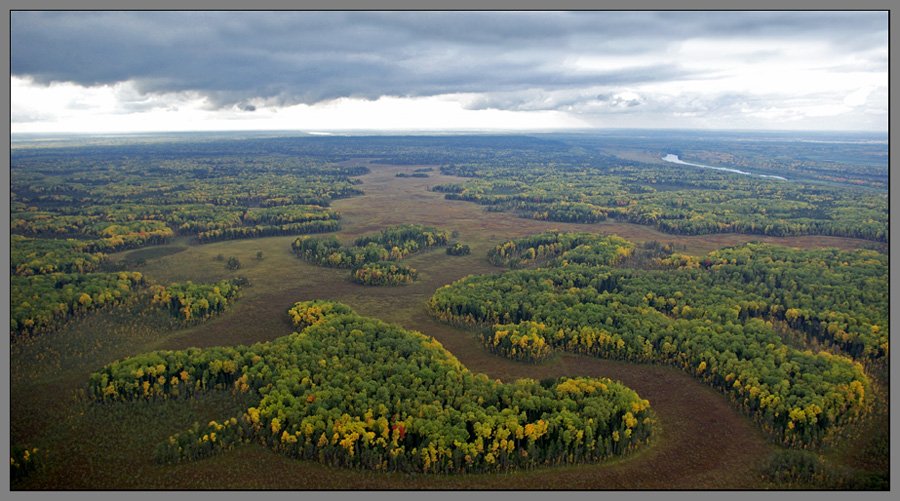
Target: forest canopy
[[681, 201], [713, 319], [354, 391], [370, 257]]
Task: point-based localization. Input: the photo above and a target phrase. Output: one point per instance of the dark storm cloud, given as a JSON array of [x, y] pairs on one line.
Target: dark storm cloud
[[306, 57]]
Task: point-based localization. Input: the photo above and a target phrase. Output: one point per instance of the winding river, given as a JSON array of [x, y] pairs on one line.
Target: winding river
[[675, 160]]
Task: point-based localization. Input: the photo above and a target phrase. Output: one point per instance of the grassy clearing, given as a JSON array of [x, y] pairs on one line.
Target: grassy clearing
[[153, 252], [702, 444]]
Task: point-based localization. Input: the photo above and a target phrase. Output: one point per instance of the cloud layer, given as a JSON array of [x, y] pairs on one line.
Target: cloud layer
[[593, 65]]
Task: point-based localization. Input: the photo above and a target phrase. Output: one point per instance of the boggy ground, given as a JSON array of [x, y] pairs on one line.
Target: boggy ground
[[703, 443]]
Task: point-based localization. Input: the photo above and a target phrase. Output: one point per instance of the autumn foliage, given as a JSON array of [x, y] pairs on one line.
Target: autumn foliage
[[368, 258], [391, 244], [354, 391], [714, 320], [195, 301], [384, 274], [41, 303], [23, 461], [683, 201], [458, 249]]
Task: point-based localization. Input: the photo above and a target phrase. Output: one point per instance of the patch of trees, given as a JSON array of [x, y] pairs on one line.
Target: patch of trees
[[391, 244], [41, 303], [448, 188], [96, 234], [306, 313], [288, 214], [713, 321], [38, 256], [353, 391], [233, 263], [578, 247], [524, 341], [458, 249], [23, 461], [383, 273], [407, 237], [208, 223], [798, 469], [837, 297], [205, 237], [189, 301]]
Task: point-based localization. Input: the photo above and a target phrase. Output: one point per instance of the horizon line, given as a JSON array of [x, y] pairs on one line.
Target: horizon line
[[401, 132]]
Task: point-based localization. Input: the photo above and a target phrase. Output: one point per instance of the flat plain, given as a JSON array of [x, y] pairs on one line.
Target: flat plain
[[702, 442]]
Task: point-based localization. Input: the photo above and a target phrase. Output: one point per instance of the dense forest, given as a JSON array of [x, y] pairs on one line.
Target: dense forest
[[354, 391], [677, 200], [714, 321], [855, 159], [41, 303], [38, 256], [215, 189], [70, 207], [135, 204]]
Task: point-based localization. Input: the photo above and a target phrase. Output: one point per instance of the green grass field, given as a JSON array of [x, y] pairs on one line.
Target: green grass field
[[703, 442]]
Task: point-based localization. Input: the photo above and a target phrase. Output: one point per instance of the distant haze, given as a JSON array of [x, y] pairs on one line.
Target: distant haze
[[332, 71]]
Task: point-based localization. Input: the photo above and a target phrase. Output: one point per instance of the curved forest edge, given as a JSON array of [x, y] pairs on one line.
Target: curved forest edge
[[712, 318], [354, 391]]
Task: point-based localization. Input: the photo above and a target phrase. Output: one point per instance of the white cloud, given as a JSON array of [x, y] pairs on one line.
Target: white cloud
[[859, 96], [120, 108]]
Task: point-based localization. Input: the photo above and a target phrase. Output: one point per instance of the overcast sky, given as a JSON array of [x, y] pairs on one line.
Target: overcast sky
[[154, 71]]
